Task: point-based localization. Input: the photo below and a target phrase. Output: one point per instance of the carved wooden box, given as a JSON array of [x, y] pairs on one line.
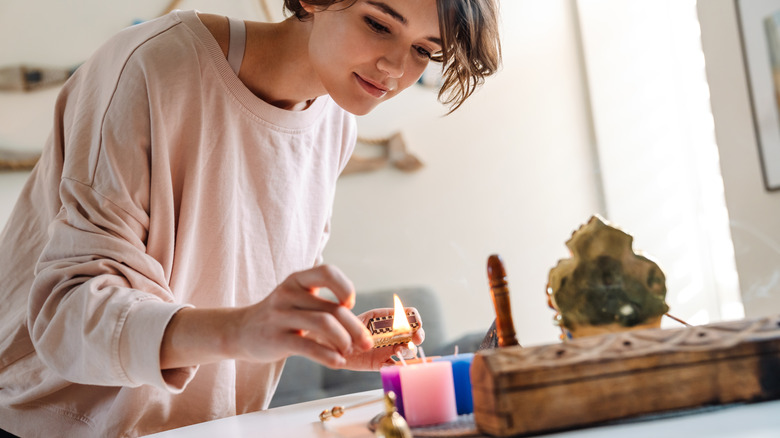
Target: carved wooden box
[[608, 377]]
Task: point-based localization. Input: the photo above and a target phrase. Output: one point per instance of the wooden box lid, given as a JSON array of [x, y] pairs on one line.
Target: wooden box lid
[[601, 378]]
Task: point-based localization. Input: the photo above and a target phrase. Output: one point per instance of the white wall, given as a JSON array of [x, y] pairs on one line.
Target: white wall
[[753, 211]]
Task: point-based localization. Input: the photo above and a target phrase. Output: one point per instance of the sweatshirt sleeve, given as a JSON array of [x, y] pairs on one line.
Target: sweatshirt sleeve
[[100, 304]]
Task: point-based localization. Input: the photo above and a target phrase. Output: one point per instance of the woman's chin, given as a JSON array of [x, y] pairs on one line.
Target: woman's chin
[[357, 107]]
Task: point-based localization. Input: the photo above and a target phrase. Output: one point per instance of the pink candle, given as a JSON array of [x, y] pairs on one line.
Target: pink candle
[[429, 393]]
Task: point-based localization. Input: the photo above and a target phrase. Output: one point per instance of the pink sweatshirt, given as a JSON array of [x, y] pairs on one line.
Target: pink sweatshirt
[[165, 183]]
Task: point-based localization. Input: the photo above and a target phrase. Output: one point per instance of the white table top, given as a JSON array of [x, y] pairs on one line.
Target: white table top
[[757, 420]]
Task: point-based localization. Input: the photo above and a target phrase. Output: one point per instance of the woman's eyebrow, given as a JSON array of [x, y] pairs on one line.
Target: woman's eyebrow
[[387, 9]]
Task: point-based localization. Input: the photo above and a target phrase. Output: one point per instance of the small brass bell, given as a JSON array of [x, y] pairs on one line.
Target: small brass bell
[[392, 424]]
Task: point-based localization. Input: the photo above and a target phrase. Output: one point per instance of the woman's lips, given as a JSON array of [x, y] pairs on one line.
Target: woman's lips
[[375, 90]]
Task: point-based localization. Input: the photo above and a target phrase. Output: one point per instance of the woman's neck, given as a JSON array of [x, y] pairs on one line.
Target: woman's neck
[[276, 64]]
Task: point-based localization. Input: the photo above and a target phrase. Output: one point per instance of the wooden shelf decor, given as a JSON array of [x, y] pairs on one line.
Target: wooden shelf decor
[[17, 160], [602, 378]]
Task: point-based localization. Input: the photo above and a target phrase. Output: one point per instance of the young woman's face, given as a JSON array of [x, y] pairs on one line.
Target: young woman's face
[[367, 53]]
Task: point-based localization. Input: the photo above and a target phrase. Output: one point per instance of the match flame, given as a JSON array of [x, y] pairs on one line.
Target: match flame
[[400, 322]]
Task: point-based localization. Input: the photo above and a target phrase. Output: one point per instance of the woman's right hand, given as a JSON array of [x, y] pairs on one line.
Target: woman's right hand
[[292, 320], [295, 320]]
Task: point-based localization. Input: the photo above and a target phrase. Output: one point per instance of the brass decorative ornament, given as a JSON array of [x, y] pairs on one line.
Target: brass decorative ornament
[[392, 424], [605, 286]]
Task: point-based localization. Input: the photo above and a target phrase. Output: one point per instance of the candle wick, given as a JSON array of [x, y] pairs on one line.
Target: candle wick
[[456, 350], [401, 358], [422, 353]]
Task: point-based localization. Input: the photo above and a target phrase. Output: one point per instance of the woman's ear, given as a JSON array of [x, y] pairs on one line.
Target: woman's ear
[[310, 8]]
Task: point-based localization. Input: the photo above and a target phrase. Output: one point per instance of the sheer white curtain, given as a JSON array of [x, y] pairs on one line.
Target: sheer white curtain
[[656, 145]]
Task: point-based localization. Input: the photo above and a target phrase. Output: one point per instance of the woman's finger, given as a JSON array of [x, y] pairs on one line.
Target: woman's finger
[[356, 329], [301, 346], [304, 300], [419, 336], [372, 360], [322, 327], [326, 276]]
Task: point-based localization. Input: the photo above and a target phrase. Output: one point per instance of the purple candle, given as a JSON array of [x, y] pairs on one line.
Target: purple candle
[[391, 381]]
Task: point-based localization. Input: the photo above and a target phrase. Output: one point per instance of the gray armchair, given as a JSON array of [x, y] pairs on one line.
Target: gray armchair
[[303, 380]]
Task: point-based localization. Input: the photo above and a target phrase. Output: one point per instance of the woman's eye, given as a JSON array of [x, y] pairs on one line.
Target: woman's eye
[[375, 26], [423, 53]]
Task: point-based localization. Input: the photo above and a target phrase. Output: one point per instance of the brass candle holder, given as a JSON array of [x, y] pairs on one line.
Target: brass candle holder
[[392, 424]]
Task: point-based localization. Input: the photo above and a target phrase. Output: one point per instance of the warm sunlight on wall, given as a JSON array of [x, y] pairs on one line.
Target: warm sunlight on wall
[[657, 148]]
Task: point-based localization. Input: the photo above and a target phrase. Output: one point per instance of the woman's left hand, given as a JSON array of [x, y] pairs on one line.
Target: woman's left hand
[[376, 358]]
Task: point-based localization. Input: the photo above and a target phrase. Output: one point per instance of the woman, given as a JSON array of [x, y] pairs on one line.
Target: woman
[[165, 256]]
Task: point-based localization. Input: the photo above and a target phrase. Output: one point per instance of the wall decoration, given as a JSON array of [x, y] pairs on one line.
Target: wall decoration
[[392, 152], [16, 160], [759, 22], [30, 78]]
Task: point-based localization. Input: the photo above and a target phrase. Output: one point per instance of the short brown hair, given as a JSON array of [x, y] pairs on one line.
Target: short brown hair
[[471, 45]]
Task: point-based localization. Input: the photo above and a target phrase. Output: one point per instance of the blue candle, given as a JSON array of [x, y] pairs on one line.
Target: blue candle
[[461, 375], [391, 381]]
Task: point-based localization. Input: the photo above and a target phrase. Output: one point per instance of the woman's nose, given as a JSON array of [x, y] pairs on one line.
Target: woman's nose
[[392, 63]]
